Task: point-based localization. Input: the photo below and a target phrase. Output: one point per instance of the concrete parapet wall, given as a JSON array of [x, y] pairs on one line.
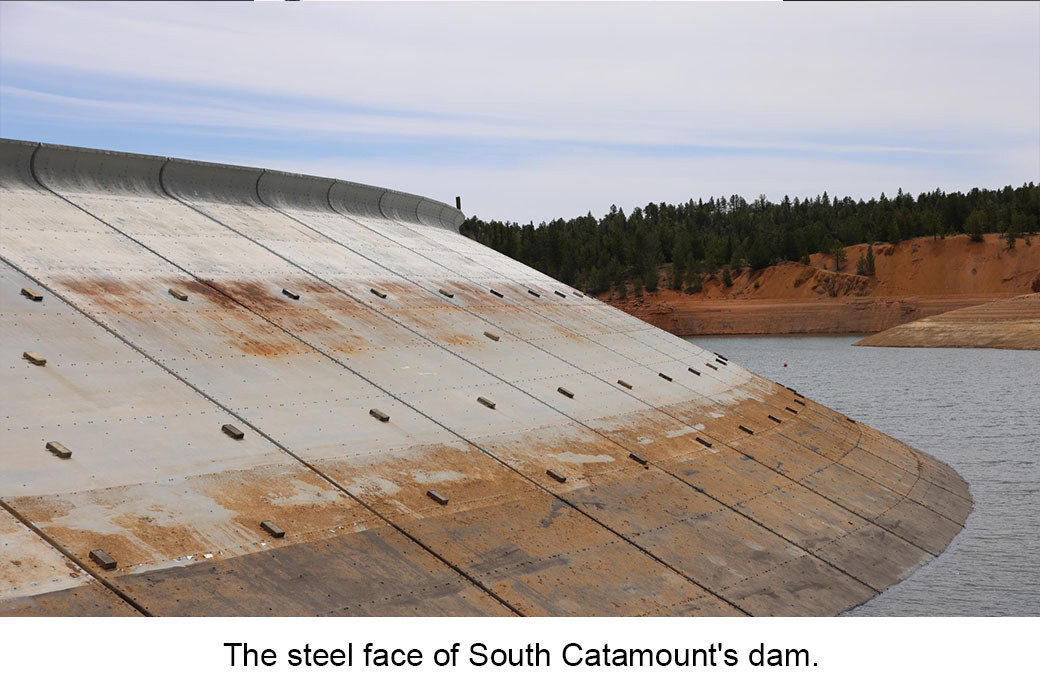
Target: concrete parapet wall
[[121, 173]]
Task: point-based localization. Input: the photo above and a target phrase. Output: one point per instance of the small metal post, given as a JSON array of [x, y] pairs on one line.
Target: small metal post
[[100, 557], [272, 528], [59, 450], [38, 360]]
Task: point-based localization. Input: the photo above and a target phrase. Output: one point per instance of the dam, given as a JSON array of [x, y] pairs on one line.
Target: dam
[[236, 391]]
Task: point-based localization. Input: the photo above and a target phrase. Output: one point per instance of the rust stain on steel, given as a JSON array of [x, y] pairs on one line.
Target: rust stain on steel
[[372, 572], [212, 313], [541, 555], [677, 518], [37, 580], [89, 599], [182, 521]]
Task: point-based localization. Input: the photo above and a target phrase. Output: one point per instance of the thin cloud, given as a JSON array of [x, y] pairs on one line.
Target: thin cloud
[[620, 103]]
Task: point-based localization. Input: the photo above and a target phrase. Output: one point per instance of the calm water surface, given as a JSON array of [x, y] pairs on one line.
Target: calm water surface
[[978, 411]]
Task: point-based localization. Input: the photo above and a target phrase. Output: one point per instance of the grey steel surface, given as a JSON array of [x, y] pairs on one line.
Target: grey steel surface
[[788, 518]]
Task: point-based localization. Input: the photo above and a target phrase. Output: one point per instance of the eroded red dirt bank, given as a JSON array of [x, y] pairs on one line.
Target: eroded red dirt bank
[[914, 279]]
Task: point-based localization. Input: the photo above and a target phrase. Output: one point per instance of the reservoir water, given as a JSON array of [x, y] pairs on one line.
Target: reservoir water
[[977, 410]]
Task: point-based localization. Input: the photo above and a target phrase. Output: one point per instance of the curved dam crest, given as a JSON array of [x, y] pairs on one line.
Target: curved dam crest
[[291, 395]]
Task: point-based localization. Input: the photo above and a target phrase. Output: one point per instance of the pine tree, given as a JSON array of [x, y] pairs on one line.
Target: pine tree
[[975, 225], [839, 256], [694, 281], [865, 264]]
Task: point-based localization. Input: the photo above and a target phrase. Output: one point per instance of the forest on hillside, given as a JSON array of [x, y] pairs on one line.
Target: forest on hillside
[[697, 239]]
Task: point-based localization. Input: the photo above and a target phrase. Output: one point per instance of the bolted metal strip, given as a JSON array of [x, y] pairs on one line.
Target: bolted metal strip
[[486, 401], [437, 497], [556, 475], [38, 360], [32, 294], [446, 293], [694, 371], [177, 294], [664, 376], [379, 415], [774, 418], [491, 335], [100, 557], [703, 441], [232, 431], [638, 459], [566, 392], [381, 295], [272, 528], [290, 294], [624, 383], [59, 450], [746, 429]]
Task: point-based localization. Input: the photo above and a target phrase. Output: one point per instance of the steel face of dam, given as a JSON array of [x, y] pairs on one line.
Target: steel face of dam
[[291, 395]]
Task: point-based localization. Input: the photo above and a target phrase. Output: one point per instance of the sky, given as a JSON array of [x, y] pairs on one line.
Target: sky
[[533, 111]]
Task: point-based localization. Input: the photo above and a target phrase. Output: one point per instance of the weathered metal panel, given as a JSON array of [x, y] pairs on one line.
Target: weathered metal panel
[[535, 551], [372, 572], [309, 302], [257, 311], [36, 579], [199, 498]]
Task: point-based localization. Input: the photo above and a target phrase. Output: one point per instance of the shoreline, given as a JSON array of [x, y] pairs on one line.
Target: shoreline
[[1008, 324], [685, 316], [914, 280]]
